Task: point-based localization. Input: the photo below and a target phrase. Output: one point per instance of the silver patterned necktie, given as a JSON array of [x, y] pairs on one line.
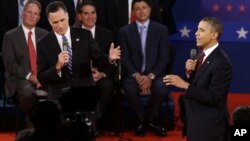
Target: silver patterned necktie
[[66, 47]]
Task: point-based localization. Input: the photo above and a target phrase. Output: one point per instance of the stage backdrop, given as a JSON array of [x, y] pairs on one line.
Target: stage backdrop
[[235, 16]]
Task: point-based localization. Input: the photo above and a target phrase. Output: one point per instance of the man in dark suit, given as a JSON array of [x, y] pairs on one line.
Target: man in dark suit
[[62, 68], [144, 62], [103, 76], [8, 20], [207, 87], [119, 13], [21, 78]]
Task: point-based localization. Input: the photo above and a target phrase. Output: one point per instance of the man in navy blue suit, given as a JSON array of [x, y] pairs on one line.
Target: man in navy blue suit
[[145, 56], [207, 86]]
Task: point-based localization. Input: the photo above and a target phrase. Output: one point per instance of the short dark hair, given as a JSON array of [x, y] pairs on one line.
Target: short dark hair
[[45, 114], [241, 115], [135, 1], [85, 3], [32, 2], [215, 23], [55, 6]]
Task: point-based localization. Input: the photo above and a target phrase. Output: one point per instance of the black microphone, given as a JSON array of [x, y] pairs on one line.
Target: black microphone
[[193, 54]]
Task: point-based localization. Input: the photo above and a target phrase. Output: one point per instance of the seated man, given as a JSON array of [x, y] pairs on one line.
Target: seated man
[[145, 56], [19, 58], [103, 76]]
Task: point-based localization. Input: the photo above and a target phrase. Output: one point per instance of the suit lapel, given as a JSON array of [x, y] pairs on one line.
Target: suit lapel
[[136, 36], [22, 40], [74, 45], [54, 44], [150, 36], [205, 64]]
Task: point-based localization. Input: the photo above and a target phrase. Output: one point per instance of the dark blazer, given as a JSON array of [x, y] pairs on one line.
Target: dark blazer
[[104, 38], [16, 56], [206, 99], [118, 13], [84, 49], [157, 49]]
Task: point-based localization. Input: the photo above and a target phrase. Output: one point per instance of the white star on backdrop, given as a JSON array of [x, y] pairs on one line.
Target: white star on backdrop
[[242, 33], [185, 31]]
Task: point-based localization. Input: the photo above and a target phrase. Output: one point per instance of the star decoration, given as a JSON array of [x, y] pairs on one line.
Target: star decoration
[[216, 8], [185, 31], [242, 8], [229, 8], [242, 33]]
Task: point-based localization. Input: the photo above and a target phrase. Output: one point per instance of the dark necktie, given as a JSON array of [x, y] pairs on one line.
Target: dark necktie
[[32, 54], [68, 48], [199, 61]]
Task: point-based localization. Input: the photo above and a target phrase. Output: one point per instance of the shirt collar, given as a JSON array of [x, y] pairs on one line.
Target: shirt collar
[[144, 24], [92, 30], [209, 51], [67, 34], [59, 37], [26, 30]]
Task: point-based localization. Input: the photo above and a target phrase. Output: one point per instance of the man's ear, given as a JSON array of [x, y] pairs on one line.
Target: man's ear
[[215, 35]]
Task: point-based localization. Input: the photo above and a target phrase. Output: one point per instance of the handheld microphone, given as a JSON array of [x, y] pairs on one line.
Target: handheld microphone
[[65, 46], [193, 54]]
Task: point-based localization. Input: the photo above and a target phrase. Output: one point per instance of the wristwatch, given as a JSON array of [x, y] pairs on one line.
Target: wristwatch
[[151, 76]]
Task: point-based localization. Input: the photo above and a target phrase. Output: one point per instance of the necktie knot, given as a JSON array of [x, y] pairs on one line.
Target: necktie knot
[[30, 33], [141, 28]]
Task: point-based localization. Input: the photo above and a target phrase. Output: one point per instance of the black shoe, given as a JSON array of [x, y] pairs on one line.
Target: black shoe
[[140, 130], [158, 130]]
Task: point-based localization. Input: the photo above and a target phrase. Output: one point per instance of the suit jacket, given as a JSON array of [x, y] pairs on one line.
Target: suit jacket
[[104, 38], [84, 49], [16, 56], [118, 13], [157, 49], [206, 99]]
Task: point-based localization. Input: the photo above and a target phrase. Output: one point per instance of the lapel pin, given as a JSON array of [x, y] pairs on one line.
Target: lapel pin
[[77, 39]]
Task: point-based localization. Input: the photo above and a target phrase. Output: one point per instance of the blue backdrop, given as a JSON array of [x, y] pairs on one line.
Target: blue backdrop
[[235, 16]]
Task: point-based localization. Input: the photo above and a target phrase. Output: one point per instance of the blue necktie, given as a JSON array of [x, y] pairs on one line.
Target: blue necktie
[[143, 35], [66, 47]]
